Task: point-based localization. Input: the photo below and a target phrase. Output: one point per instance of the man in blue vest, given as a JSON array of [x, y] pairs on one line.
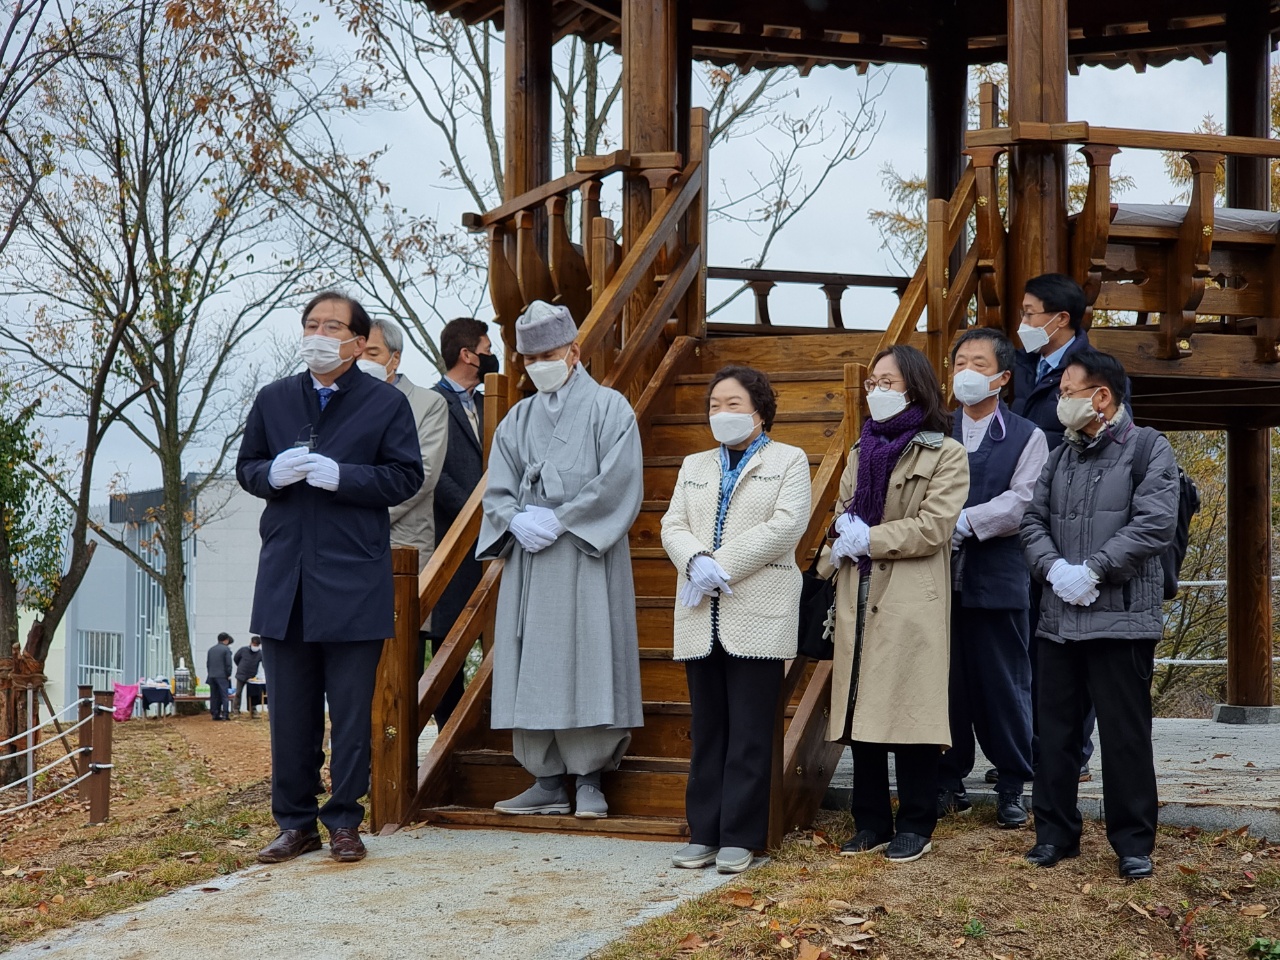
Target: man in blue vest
[[990, 683]]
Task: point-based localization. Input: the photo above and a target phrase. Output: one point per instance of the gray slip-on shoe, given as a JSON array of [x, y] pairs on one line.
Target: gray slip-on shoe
[[537, 799], [695, 856], [733, 859], [591, 804]]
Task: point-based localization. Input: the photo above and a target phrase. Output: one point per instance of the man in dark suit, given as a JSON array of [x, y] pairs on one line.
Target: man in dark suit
[[468, 352], [330, 450], [218, 676]]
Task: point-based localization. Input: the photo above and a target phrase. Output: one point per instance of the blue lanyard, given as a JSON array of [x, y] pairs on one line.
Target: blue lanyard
[[729, 480]]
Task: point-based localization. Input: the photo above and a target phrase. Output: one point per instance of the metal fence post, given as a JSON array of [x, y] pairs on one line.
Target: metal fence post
[[100, 759]]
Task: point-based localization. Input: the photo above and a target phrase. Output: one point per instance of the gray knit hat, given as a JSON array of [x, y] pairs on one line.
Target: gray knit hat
[[544, 327]]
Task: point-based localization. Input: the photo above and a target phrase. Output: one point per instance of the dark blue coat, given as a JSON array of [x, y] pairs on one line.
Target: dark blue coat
[[463, 467], [331, 549]]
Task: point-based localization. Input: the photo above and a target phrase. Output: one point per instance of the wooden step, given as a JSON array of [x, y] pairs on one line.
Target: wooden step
[[683, 434], [647, 530], [802, 352], [796, 390], [665, 829]]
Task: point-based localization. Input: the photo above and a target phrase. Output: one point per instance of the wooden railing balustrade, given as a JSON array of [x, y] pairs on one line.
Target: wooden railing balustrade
[[833, 286]]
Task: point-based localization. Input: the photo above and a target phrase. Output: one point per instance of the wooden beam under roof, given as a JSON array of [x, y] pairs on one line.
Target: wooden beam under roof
[[732, 45]]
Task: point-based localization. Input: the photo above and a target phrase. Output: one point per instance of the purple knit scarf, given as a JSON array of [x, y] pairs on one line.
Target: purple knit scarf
[[882, 444]]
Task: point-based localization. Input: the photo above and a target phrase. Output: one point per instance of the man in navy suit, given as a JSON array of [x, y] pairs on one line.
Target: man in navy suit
[[468, 353], [330, 450]]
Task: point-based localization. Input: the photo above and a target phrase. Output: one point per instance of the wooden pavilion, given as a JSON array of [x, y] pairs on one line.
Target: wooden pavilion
[[1202, 282]]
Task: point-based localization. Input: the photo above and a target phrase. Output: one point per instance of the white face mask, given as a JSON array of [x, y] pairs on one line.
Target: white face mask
[[322, 354], [970, 387], [731, 428], [1033, 338], [374, 369], [548, 375], [885, 404], [1076, 413]]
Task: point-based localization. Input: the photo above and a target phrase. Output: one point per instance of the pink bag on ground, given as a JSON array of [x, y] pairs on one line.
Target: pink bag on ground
[[125, 695]]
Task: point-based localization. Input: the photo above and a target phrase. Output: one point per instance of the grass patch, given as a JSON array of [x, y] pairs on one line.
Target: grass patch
[[1213, 897]]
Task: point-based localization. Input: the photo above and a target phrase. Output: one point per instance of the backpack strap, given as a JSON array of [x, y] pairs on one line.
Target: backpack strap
[[1142, 454]]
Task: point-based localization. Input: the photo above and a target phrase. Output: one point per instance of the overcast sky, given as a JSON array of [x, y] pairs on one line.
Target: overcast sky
[[833, 233]]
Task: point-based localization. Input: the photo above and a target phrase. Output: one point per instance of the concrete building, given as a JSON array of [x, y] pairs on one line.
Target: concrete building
[[117, 628]]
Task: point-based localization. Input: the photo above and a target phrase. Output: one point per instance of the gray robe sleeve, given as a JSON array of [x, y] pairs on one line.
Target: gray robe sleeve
[[501, 494], [605, 508]]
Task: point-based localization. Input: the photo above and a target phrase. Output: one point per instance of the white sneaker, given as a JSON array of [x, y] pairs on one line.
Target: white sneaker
[[694, 856], [536, 799], [733, 859]]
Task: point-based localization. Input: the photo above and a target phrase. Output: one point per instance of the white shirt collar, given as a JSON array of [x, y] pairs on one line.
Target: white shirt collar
[[320, 386]]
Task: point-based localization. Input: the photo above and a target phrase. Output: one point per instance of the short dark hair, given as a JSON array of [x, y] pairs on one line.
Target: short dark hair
[[1059, 292], [1102, 370], [922, 385], [759, 389], [461, 333], [360, 323], [1001, 345], [225, 638]]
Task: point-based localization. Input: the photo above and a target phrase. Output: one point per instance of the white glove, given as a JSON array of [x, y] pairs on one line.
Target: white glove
[[526, 529], [546, 520], [962, 532], [690, 596], [1090, 596], [854, 540], [708, 576], [1074, 583], [1059, 566], [284, 468], [320, 471]]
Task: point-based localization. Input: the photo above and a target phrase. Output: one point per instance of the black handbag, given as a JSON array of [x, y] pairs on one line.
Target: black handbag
[[816, 639]]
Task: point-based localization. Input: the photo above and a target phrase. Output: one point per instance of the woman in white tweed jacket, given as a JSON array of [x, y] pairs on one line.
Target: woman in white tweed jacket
[[736, 515]]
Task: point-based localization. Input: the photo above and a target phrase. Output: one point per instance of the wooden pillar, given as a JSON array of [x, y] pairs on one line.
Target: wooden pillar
[[394, 729], [1249, 618], [1037, 174], [83, 713], [100, 759], [947, 76], [527, 46]]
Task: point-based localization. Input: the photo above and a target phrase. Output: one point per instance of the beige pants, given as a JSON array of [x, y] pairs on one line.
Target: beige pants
[[583, 750]]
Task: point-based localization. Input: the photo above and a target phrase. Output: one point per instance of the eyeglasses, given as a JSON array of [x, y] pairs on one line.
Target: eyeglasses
[[1028, 314], [1070, 394], [330, 328], [884, 383]]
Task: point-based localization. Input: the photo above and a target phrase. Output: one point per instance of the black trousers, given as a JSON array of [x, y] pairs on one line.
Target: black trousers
[[734, 702], [241, 695], [453, 695], [1090, 718], [989, 695], [916, 765], [300, 677], [219, 699], [1116, 676]]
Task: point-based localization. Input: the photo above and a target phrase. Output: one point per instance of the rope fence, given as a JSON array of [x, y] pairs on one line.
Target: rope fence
[[1219, 662], [91, 759]]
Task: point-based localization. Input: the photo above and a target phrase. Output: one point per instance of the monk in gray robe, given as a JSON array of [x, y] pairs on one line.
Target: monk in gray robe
[[565, 485]]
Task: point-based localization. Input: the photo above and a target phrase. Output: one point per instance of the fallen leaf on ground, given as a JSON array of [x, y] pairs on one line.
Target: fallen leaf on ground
[[738, 898], [1189, 871], [690, 943], [1219, 756], [1202, 952], [1086, 888], [59, 898], [1250, 764], [12, 871], [118, 877], [850, 920], [42, 907], [210, 889], [958, 942], [236, 843], [839, 904], [811, 951], [784, 943], [1254, 910], [1246, 858], [1140, 911]]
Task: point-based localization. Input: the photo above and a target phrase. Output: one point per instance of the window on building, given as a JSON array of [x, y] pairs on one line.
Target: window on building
[[101, 658]]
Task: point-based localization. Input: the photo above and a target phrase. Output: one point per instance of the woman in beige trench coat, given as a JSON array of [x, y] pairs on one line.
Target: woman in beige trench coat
[[900, 496]]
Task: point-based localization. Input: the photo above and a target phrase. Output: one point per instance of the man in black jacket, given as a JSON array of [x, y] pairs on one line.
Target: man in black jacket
[[247, 660], [218, 676], [466, 348]]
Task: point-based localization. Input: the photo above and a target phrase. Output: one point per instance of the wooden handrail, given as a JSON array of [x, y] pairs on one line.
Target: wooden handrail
[[823, 491], [803, 276], [1024, 132], [631, 271], [609, 163], [656, 315], [452, 550], [452, 655]]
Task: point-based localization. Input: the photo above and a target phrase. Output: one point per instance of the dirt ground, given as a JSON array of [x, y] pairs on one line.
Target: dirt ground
[[159, 765]]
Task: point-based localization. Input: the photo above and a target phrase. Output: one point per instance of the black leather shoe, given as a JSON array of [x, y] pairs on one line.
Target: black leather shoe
[[1010, 813], [953, 802], [907, 847], [290, 844], [1047, 855], [992, 776], [1135, 868], [864, 841]]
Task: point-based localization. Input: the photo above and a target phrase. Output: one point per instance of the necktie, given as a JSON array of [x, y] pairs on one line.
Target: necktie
[[324, 393], [1043, 369]]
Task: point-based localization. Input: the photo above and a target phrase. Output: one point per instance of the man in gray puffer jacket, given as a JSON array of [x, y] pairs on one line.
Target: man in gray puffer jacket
[[1095, 538]]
